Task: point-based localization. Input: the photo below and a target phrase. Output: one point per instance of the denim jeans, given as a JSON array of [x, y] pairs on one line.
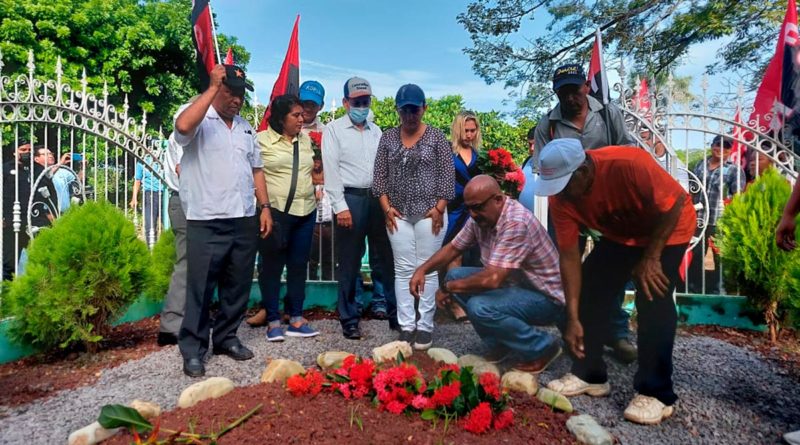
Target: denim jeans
[[506, 318], [295, 255], [605, 272]]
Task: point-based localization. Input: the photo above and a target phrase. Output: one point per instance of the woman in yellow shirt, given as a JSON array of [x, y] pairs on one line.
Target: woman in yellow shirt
[[288, 161]]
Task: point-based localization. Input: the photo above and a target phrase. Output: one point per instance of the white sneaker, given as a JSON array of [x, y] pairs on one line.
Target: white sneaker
[[570, 385], [647, 410], [792, 438]]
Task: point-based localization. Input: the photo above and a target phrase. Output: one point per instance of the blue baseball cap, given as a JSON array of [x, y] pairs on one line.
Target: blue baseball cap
[[313, 91], [409, 94]]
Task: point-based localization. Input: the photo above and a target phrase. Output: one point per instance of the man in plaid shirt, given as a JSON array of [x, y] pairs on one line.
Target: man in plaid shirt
[[519, 287]]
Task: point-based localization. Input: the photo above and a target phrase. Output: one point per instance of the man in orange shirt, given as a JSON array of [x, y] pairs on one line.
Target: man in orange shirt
[[646, 220]]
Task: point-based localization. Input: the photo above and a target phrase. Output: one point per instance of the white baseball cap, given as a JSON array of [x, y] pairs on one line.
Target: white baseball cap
[[557, 161]]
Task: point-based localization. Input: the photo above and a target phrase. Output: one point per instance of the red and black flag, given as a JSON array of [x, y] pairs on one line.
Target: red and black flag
[[288, 81], [779, 92], [597, 71], [203, 39]]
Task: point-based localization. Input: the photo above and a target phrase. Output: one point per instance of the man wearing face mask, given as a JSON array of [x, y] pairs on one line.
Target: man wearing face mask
[[351, 143]]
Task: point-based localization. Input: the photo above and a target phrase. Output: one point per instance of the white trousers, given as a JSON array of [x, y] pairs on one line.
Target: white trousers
[[412, 244]]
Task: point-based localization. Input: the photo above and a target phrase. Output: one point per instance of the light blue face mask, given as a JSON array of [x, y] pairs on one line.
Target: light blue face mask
[[358, 115]]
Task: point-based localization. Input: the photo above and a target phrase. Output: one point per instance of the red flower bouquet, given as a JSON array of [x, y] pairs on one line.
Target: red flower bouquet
[[354, 379], [499, 164], [309, 383]]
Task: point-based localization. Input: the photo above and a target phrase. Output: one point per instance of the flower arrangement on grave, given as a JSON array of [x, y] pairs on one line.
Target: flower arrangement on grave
[[499, 164]]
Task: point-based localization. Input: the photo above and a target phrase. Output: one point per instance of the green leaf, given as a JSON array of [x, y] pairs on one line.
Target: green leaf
[[428, 414], [116, 416], [400, 357]]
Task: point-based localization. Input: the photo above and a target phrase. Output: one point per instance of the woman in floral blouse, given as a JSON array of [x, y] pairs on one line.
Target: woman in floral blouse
[[414, 179]]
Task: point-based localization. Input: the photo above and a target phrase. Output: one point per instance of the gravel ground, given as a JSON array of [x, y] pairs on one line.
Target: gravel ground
[[728, 395]]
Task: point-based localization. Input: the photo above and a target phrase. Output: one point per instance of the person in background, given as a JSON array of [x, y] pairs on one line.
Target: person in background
[[175, 300], [647, 220], [219, 171], [722, 180], [17, 175], [288, 162], [66, 182], [351, 145], [580, 116], [465, 135], [144, 179], [413, 171], [312, 98]]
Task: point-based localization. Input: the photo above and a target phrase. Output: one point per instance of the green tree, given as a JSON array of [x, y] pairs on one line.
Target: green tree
[[746, 236], [503, 50], [142, 48]]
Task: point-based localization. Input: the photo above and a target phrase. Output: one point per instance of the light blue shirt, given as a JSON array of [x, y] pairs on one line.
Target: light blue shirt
[[217, 168], [526, 196], [150, 182], [62, 178], [348, 158]]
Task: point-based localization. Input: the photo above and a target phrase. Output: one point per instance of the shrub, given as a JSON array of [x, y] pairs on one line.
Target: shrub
[[746, 231], [81, 274], [162, 263]]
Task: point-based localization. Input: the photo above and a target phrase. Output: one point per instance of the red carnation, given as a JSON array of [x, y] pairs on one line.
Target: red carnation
[[504, 420], [316, 138], [445, 395], [491, 385], [479, 419]]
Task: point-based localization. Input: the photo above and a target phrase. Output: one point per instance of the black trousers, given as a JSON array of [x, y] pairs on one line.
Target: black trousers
[[11, 250], [605, 272], [368, 222], [220, 253]]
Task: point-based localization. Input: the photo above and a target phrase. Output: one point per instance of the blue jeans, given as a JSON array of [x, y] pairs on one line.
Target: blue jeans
[[507, 317], [294, 255]]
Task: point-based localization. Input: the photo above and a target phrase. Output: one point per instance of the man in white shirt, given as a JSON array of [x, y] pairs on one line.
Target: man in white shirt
[[220, 167], [350, 144]]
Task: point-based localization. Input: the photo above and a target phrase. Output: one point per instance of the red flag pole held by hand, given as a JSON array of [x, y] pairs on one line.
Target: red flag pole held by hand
[[288, 81], [598, 79], [204, 38]]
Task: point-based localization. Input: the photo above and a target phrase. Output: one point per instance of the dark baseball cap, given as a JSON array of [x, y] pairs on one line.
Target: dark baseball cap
[[569, 74], [235, 78], [721, 141], [409, 94]]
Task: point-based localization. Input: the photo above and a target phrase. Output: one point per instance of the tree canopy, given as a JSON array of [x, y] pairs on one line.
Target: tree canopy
[[142, 48], [511, 44]]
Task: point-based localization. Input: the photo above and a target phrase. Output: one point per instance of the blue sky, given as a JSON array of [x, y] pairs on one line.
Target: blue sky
[[387, 43]]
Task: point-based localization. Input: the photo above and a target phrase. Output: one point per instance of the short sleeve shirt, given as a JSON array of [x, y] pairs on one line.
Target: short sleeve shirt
[[414, 178], [217, 168], [629, 195], [520, 242]]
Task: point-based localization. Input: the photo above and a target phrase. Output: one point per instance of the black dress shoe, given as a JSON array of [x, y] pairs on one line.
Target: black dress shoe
[[193, 367], [351, 333], [236, 352], [166, 338]]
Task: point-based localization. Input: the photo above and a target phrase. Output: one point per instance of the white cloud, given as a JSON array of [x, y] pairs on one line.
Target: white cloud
[[476, 94]]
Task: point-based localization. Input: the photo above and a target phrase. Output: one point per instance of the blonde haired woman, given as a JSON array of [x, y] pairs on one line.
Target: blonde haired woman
[[465, 135]]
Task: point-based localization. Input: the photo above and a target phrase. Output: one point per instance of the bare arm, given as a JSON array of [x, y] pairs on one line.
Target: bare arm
[[193, 115], [135, 198], [570, 263], [649, 274], [487, 279], [784, 234], [262, 197], [440, 259]]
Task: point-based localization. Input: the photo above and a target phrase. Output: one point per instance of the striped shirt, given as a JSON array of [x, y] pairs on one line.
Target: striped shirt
[[518, 241]]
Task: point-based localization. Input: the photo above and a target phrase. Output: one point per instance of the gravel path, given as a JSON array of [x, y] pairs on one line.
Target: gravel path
[[728, 395]]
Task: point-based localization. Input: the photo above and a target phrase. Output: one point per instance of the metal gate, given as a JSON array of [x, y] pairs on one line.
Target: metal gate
[[62, 145]]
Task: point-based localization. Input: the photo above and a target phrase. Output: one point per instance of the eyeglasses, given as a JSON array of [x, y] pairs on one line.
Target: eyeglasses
[[409, 109], [478, 207]]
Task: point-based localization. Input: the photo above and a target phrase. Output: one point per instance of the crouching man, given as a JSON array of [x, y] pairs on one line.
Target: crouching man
[[646, 220], [518, 289]]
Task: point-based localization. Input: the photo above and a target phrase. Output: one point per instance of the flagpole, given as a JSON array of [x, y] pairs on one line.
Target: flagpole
[[214, 32], [603, 88]]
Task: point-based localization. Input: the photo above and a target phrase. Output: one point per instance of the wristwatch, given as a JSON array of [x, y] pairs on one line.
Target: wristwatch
[[262, 207]]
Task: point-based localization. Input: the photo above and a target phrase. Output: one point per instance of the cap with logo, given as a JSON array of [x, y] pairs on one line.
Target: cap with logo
[[557, 162], [313, 91], [235, 78], [357, 87], [570, 74], [409, 94]]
